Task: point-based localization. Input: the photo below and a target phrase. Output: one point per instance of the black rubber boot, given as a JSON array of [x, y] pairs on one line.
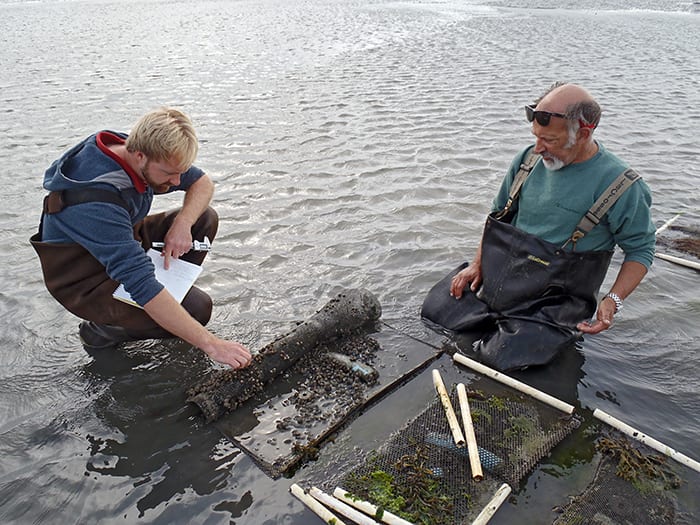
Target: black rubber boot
[[96, 336]]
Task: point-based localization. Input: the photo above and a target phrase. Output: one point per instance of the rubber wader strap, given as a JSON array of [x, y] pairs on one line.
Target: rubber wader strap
[[55, 201], [518, 181], [58, 200], [600, 207]]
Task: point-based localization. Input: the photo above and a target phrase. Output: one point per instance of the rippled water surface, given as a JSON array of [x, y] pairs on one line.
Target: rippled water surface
[[354, 144]]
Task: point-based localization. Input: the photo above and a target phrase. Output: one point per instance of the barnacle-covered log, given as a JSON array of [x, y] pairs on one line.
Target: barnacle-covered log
[[222, 391]]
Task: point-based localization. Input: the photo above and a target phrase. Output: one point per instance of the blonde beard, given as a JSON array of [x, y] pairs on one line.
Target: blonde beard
[[157, 188]]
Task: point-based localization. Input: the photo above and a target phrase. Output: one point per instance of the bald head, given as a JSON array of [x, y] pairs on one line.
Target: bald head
[[563, 96], [572, 100]]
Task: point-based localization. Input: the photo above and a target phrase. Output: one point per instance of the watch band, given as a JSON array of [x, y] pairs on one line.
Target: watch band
[[616, 299]]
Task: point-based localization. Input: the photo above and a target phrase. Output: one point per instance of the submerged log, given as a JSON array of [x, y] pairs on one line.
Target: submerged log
[[222, 391]]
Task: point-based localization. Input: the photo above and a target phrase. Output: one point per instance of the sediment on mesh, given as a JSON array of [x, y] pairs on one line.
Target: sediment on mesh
[[420, 474], [632, 484]]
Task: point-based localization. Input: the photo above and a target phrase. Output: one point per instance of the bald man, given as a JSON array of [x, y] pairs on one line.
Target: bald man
[[563, 207]]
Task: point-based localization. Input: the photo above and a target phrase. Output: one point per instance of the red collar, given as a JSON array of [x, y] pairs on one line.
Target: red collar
[[104, 139]]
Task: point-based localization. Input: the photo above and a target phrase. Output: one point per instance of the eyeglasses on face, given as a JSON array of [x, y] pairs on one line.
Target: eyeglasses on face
[[543, 117]]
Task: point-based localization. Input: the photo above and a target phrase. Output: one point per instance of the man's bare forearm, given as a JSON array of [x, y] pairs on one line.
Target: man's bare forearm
[[196, 201], [170, 315]]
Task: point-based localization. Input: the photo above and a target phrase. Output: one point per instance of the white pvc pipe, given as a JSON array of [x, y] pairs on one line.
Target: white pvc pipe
[[474, 461], [449, 411], [673, 258], [678, 260], [667, 224], [513, 383], [368, 508], [489, 510], [643, 438], [321, 511], [342, 508]]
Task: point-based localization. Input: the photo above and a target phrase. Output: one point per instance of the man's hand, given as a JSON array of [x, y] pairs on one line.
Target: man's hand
[[629, 276], [470, 274], [228, 353], [177, 244], [604, 318], [171, 316], [178, 240]]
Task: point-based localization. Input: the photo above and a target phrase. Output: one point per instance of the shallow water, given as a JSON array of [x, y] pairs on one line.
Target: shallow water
[[354, 144]]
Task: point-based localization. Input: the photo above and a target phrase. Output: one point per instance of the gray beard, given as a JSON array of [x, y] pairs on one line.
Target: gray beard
[[554, 164]]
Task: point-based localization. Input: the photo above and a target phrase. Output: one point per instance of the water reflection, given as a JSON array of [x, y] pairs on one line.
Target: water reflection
[[157, 441]]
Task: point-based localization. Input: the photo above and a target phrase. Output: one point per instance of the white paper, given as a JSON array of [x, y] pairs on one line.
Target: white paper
[[178, 279]]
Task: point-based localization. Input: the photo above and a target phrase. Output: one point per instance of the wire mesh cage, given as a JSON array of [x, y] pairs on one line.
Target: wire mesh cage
[[632, 484], [421, 475]]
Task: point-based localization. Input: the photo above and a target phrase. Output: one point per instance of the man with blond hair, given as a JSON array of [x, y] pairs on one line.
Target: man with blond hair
[[564, 205], [95, 230]]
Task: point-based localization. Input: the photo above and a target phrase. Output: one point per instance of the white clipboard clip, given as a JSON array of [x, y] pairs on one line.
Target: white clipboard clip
[[197, 246]]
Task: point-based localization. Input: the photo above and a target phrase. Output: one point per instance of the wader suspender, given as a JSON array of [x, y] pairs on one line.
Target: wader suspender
[[596, 212], [523, 173], [56, 201], [600, 207]]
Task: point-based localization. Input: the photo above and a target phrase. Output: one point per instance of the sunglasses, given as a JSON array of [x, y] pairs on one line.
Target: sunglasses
[[543, 117]]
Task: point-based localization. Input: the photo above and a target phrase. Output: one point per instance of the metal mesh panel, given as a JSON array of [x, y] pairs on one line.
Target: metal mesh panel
[[421, 475], [631, 486]]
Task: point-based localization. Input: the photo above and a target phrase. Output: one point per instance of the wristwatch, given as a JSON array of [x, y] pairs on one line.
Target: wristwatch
[[616, 299]]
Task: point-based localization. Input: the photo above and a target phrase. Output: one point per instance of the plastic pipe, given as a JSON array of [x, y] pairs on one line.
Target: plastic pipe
[[667, 223], [449, 411], [678, 260], [513, 383], [318, 509], [489, 510], [344, 509], [368, 508], [643, 438], [474, 461]]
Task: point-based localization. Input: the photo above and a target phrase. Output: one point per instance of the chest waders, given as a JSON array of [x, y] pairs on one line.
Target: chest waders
[[533, 292], [80, 283]]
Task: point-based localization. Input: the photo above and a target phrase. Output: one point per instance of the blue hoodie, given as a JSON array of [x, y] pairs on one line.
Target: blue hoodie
[[105, 229]]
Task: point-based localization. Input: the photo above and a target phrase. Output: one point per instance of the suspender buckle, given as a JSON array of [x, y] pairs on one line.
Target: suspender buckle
[[53, 202], [578, 234]]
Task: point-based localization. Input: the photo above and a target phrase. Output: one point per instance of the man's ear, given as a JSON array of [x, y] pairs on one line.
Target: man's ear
[[584, 133], [141, 158]]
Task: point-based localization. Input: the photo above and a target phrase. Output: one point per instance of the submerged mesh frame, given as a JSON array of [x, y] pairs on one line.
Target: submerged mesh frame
[[647, 499], [422, 476]]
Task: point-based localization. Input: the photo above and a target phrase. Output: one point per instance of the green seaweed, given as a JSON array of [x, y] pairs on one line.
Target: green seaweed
[[414, 494], [497, 402], [519, 426], [480, 417], [382, 492]]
